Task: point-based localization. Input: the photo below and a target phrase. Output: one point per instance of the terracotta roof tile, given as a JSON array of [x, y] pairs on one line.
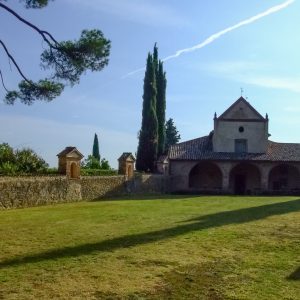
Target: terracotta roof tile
[[202, 149]]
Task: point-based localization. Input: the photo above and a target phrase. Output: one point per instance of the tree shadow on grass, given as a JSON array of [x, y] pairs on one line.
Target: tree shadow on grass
[[200, 223], [295, 275]]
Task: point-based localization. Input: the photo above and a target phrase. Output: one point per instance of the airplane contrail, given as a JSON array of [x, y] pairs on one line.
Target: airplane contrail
[[217, 35]]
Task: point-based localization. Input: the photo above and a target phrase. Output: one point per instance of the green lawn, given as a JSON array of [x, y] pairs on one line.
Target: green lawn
[[174, 247]]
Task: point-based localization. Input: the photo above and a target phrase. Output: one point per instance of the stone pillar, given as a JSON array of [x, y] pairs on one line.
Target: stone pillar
[[264, 180], [225, 168], [225, 183]]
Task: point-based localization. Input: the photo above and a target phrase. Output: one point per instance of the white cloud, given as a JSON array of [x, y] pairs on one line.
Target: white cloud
[[219, 34], [291, 84], [254, 73], [139, 11]]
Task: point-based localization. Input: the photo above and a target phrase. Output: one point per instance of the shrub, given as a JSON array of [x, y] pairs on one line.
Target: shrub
[[105, 164], [28, 161], [20, 162], [6, 154], [91, 163], [8, 168], [98, 172]]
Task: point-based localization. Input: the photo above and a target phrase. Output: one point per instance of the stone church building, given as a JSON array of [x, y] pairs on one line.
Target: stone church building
[[237, 157]]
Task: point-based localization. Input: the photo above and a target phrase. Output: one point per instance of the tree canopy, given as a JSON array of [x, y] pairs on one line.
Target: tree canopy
[[172, 134], [96, 152], [152, 134], [24, 161], [67, 60]]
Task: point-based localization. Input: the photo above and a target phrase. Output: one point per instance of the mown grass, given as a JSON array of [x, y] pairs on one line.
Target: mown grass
[[174, 247]]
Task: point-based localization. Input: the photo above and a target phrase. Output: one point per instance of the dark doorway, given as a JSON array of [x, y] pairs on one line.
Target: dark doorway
[[240, 184], [245, 179]]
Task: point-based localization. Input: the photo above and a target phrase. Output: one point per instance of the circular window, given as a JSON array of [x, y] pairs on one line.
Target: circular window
[[241, 129]]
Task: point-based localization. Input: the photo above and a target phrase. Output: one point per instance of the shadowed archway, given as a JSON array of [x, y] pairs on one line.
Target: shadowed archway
[[245, 178], [284, 178], [205, 176]]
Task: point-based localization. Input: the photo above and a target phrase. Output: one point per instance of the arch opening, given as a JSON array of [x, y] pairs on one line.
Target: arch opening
[[74, 170], [245, 179], [205, 176], [284, 178]]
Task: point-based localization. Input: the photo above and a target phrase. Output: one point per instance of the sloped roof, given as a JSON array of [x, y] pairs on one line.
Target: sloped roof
[[244, 103], [202, 149], [126, 156], [162, 159], [68, 151]]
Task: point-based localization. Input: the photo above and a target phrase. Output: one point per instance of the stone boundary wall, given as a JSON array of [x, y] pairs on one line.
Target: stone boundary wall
[[148, 184], [97, 187], [20, 192]]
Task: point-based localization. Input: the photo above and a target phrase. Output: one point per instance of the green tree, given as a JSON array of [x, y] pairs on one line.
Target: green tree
[[6, 154], [172, 134], [7, 160], [68, 60], [148, 137], [20, 161], [96, 152], [161, 83], [91, 162], [27, 161], [105, 164]]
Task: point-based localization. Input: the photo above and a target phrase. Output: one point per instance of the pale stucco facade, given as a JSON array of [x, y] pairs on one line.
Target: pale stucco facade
[[236, 157]]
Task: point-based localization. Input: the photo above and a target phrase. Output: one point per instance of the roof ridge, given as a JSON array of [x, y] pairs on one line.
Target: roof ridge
[[241, 99], [199, 138], [283, 143]]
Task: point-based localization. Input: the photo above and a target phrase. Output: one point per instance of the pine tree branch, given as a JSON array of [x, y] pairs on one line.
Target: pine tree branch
[[2, 81], [50, 35], [43, 33], [14, 62]]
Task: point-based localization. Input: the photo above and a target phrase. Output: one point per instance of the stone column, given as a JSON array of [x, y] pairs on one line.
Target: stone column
[[225, 168], [264, 173]]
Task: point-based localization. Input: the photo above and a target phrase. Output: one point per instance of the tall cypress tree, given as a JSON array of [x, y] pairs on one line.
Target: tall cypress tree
[[161, 83], [96, 152], [148, 137]]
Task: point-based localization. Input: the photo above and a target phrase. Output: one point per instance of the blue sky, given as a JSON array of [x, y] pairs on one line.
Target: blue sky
[[262, 57]]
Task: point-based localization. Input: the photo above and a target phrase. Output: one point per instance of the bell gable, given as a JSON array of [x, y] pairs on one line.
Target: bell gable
[[241, 128]]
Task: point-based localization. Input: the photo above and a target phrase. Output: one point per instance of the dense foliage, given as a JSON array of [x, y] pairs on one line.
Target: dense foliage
[[172, 134], [68, 60], [148, 136], [98, 172], [94, 164], [152, 134], [96, 152], [161, 85], [24, 161]]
